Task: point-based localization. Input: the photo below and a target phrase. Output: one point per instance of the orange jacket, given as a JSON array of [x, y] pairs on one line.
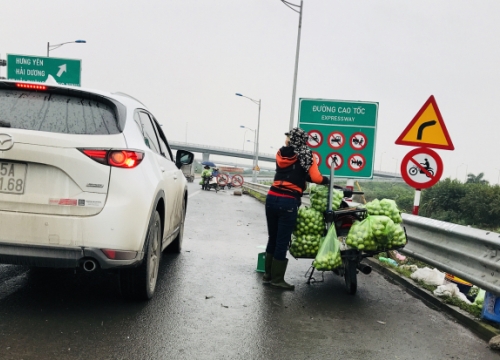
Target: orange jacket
[[283, 161]]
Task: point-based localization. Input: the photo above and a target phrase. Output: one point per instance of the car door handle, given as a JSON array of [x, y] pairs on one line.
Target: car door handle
[[175, 177], [162, 169]]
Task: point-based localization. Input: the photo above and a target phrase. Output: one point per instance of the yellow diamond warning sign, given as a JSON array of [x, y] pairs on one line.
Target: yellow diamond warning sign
[[427, 129]]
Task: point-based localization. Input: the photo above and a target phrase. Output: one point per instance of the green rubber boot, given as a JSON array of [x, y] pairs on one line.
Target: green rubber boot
[[278, 270], [268, 264]]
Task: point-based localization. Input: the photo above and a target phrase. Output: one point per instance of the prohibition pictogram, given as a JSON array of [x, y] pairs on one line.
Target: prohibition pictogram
[[358, 141], [315, 139], [421, 168], [336, 140], [356, 162], [223, 179], [317, 158], [237, 180], [336, 159]]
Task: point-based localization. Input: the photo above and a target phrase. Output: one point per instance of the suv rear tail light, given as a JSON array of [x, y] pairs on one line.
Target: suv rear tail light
[[119, 254], [127, 159]]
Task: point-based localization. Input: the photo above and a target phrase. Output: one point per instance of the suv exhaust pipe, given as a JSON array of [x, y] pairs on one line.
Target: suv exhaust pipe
[[365, 269], [89, 265]]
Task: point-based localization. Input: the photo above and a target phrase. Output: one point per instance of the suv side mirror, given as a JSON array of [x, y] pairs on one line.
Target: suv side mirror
[[183, 157]]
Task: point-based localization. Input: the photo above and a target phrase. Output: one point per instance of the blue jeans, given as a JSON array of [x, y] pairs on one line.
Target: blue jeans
[[281, 215]]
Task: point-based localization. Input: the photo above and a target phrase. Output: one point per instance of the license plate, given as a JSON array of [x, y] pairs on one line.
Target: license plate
[[12, 177]]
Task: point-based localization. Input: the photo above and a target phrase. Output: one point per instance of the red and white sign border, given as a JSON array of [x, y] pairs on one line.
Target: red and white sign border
[[409, 158], [350, 165], [319, 144], [365, 141], [343, 140], [330, 155]]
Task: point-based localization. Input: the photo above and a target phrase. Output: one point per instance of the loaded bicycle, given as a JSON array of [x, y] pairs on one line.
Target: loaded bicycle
[[343, 219]]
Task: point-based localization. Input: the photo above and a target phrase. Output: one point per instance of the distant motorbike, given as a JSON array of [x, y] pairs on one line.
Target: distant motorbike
[[209, 182]]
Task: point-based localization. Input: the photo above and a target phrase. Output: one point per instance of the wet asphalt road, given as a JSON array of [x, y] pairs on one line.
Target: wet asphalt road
[[211, 304]]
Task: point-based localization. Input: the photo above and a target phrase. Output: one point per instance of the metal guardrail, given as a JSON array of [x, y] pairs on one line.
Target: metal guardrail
[[263, 189], [471, 254]]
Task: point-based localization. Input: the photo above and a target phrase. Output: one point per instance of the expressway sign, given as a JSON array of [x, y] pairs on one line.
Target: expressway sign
[[41, 68], [341, 134]]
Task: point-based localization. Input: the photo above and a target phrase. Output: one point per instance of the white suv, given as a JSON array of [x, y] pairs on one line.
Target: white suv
[[87, 180]]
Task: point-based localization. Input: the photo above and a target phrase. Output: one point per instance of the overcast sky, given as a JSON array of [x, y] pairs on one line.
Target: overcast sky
[[185, 59]]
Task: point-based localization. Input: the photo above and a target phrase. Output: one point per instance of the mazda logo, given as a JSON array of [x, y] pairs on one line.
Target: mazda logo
[[6, 142]]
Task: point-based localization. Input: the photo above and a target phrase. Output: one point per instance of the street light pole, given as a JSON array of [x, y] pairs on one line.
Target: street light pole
[[256, 145], [381, 158], [397, 163], [297, 51], [53, 47], [245, 135]]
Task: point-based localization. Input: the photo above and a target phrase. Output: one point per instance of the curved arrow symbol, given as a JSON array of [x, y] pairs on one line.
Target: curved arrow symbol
[[62, 69], [423, 126]]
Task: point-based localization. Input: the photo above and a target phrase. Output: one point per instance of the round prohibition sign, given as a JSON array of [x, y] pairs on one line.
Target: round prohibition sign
[[317, 158], [315, 139], [223, 179], [358, 141], [237, 180], [336, 159], [356, 162], [421, 168], [336, 140]]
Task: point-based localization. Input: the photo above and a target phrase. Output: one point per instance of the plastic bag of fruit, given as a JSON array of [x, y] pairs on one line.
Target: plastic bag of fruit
[[396, 237], [382, 227], [319, 198], [385, 207], [360, 235], [328, 257]]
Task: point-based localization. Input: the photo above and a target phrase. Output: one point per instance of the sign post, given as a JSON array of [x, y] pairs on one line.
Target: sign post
[[341, 134], [41, 68]]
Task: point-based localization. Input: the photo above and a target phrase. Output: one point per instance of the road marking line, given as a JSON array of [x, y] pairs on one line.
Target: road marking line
[[193, 194]]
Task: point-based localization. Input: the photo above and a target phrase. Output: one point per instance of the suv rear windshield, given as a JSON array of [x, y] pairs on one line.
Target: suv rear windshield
[[57, 113]]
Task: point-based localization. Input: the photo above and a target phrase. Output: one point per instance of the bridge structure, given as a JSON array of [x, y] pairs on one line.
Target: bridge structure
[[207, 150]]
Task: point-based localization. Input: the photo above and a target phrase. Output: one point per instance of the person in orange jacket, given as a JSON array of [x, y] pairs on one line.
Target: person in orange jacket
[[295, 166]]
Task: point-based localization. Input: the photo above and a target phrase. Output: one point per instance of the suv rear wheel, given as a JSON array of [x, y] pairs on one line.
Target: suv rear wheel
[[140, 283]]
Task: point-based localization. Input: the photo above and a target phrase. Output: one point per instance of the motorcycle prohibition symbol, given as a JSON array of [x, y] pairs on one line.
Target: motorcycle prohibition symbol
[[414, 170]]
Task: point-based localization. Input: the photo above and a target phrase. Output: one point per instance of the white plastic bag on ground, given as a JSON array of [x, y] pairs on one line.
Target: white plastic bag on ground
[[429, 276], [450, 290]]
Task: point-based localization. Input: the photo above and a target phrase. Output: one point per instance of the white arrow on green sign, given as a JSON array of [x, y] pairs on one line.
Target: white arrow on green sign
[[39, 68], [342, 133]]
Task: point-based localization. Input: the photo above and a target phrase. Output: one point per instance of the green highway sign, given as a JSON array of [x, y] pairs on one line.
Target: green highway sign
[[342, 134], [41, 68]]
